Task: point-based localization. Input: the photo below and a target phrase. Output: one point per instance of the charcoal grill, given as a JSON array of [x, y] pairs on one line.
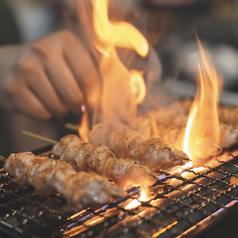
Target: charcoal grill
[[185, 208]]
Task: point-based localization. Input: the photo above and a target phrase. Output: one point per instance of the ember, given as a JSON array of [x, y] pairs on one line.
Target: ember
[[144, 196]]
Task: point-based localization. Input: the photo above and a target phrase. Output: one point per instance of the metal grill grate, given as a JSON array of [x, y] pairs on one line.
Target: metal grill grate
[[176, 205]]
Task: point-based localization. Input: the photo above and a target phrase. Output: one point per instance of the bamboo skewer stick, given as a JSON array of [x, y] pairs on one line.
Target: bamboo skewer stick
[[2, 158], [71, 127], [38, 137], [33, 135]]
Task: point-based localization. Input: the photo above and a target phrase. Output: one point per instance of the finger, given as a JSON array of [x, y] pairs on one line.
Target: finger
[[84, 70], [26, 102], [40, 85], [65, 83]]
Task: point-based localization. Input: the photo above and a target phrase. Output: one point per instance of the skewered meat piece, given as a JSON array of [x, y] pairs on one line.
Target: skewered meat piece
[[48, 176], [228, 115], [176, 113], [173, 135], [228, 135], [151, 152], [83, 156]]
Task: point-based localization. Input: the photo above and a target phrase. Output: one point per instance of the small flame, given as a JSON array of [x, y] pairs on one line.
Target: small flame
[[202, 131], [84, 125], [138, 86], [122, 90], [144, 197]]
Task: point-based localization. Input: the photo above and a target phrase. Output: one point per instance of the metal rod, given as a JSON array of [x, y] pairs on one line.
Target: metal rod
[[42, 138], [71, 127]]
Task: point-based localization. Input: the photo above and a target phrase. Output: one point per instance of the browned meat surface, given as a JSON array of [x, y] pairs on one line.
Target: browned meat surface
[[173, 135], [151, 152], [228, 115], [228, 135], [83, 156], [176, 113], [48, 176]]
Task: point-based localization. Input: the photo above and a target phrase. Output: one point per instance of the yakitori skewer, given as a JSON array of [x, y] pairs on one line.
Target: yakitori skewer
[[49, 176], [170, 158], [84, 156], [124, 142]]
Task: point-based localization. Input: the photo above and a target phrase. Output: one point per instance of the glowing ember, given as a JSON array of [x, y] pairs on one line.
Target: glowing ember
[[202, 130], [143, 197], [185, 174], [122, 90], [76, 215]]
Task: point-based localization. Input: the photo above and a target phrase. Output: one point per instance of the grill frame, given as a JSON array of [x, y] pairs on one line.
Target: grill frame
[[203, 228]]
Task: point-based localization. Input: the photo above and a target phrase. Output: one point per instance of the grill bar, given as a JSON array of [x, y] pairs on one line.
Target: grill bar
[[222, 222], [178, 204]]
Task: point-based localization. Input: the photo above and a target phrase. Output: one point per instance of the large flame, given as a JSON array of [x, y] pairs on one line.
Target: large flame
[[122, 90], [115, 34], [202, 130]]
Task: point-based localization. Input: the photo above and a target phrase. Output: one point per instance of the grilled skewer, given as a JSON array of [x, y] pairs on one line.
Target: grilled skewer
[[83, 156], [152, 152], [173, 134], [176, 113], [48, 176], [228, 115]]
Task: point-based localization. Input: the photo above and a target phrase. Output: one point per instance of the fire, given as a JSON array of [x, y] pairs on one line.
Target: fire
[[202, 131], [84, 125], [115, 34], [122, 90], [137, 86], [144, 197]]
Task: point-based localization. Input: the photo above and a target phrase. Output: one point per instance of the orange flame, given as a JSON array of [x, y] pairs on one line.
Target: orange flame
[[144, 197], [84, 125], [119, 34], [138, 86], [202, 130], [122, 90]]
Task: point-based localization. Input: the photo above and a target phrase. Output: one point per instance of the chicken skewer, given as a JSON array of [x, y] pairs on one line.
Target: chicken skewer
[[173, 134], [151, 152], [84, 156], [228, 115], [48, 176], [176, 113]]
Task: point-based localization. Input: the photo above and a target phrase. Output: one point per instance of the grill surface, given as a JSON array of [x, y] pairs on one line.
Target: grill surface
[[172, 210]]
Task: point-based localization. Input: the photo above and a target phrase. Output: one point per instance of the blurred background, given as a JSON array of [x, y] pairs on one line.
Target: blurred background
[[24, 21], [169, 26], [171, 29]]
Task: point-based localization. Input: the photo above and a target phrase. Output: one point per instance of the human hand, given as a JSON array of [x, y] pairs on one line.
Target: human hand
[[48, 77]]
